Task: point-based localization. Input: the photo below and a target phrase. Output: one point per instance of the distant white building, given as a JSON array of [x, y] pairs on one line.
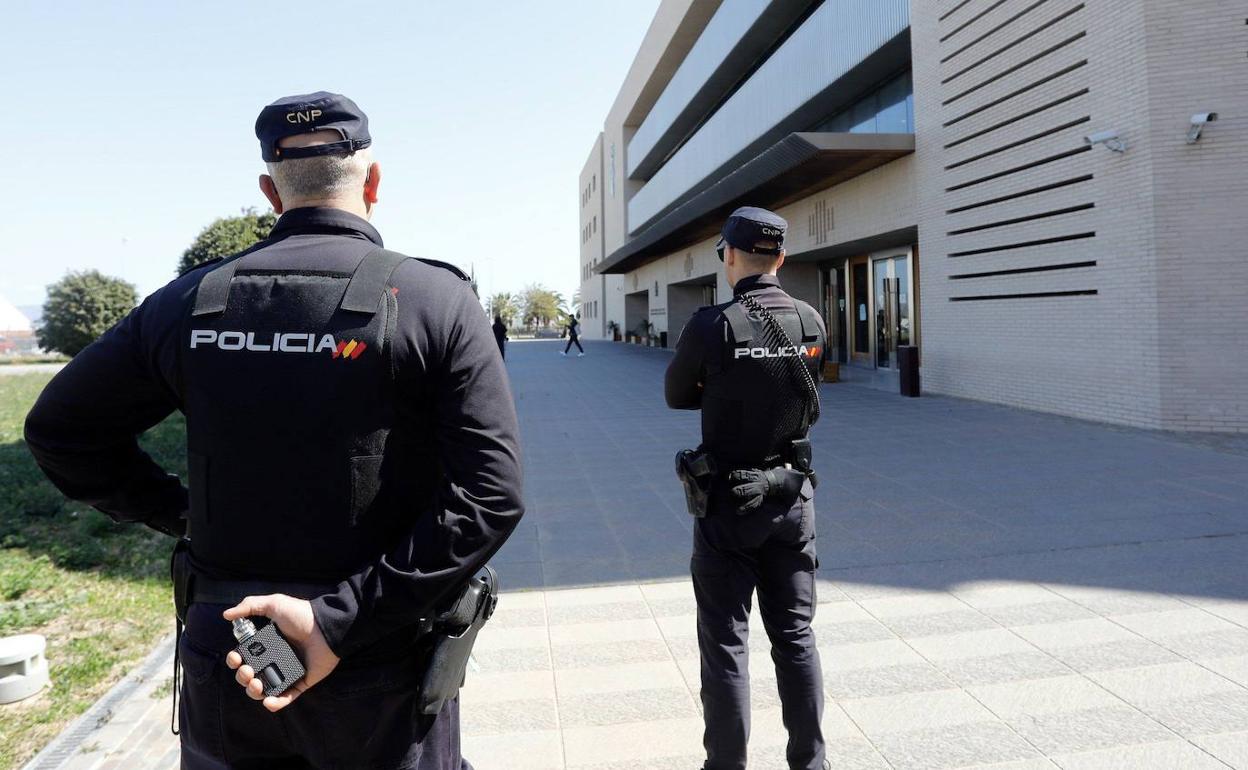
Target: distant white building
[[17, 333]]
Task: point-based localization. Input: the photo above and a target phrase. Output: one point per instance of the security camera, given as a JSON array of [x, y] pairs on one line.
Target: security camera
[[1108, 138], [1198, 124]]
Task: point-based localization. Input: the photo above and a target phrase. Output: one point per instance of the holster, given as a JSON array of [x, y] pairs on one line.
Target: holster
[[181, 574], [454, 632], [696, 471], [801, 456]]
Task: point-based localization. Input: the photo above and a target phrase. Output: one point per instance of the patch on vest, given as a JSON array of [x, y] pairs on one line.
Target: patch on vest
[[784, 351], [278, 342]]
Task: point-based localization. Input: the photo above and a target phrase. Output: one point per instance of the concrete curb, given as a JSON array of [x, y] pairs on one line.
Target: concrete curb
[[82, 730]]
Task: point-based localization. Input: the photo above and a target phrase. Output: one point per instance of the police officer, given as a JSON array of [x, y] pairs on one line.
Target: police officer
[[750, 365], [353, 457]]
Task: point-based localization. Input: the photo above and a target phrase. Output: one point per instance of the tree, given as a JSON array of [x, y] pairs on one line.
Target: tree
[[503, 305], [227, 236], [82, 306], [541, 305]]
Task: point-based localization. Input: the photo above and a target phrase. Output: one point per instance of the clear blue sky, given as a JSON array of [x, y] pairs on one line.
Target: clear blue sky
[[129, 126]]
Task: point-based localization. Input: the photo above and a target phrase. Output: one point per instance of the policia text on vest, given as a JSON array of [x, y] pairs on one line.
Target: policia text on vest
[[347, 490], [750, 365]]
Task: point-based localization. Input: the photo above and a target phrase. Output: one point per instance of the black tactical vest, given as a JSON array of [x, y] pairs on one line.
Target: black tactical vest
[[289, 398], [754, 402]]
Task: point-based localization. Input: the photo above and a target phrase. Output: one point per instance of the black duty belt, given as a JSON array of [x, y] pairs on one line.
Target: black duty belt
[[205, 590]]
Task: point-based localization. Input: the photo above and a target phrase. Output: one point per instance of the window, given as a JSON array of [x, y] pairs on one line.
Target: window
[[887, 110]]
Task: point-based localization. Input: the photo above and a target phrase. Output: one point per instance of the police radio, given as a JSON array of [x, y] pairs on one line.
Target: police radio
[[269, 655]]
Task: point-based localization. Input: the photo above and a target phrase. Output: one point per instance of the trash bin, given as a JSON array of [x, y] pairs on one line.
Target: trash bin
[[908, 367], [663, 339], [23, 668]]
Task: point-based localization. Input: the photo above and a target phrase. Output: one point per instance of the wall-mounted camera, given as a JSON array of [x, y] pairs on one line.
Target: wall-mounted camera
[[1110, 139], [1198, 125]]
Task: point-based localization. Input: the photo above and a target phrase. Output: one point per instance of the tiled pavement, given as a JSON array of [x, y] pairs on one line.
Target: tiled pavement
[[999, 588]]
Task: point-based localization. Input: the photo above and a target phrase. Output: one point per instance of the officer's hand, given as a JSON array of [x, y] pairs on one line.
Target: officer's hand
[[750, 488], [294, 619]]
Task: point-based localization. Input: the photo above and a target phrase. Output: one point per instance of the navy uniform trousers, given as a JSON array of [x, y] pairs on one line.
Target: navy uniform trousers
[[363, 715], [733, 556]]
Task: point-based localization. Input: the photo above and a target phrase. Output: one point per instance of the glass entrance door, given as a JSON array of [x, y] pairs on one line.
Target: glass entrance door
[[834, 311], [859, 314], [892, 308]]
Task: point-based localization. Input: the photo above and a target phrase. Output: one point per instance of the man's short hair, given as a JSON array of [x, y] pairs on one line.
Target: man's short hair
[[760, 262], [320, 177]]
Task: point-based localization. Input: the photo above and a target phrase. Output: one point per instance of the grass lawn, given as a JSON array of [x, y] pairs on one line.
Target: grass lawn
[[48, 358], [98, 591]]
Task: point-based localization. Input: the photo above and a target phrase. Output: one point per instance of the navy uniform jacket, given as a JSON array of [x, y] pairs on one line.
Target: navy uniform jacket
[[455, 403]]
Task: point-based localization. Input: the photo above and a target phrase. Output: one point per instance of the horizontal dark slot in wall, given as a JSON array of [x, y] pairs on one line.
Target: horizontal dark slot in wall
[[1019, 143], [1023, 244], [1028, 295], [1018, 169], [1029, 35], [1022, 194], [974, 19], [1016, 118], [1014, 94], [1023, 270], [996, 29], [954, 10], [1010, 71], [1021, 220]]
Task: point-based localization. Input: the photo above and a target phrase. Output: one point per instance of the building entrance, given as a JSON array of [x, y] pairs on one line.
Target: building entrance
[[870, 308], [684, 299]]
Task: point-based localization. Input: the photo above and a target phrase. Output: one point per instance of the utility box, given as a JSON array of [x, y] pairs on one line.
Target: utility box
[[908, 368], [23, 667]]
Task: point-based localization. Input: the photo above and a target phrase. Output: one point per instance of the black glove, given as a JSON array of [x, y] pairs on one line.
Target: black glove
[[752, 487]]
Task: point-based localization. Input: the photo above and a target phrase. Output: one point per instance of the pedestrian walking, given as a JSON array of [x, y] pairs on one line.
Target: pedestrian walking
[[573, 330], [750, 365], [353, 455], [500, 335]]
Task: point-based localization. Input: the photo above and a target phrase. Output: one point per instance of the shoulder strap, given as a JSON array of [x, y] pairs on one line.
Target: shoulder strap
[[369, 280], [809, 320], [214, 288], [213, 293], [742, 329]]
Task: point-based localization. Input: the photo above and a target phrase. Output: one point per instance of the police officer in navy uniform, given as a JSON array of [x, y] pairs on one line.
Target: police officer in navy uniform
[[353, 455], [751, 365]]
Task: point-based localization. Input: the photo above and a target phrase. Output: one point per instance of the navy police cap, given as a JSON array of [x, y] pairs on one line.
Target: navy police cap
[[754, 230], [305, 113]]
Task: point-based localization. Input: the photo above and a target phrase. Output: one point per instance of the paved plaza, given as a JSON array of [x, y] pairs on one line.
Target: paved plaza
[[998, 588]]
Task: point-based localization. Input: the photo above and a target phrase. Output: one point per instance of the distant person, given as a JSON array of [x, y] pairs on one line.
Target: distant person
[[574, 337], [750, 366], [500, 335]]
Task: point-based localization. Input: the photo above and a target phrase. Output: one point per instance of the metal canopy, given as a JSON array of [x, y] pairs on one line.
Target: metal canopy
[[789, 170]]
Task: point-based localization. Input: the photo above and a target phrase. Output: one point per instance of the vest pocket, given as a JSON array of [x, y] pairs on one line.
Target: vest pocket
[[365, 485], [197, 470]]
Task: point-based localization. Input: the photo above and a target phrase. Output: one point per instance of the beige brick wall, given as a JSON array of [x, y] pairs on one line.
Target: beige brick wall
[[996, 111], [1198, 62]]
